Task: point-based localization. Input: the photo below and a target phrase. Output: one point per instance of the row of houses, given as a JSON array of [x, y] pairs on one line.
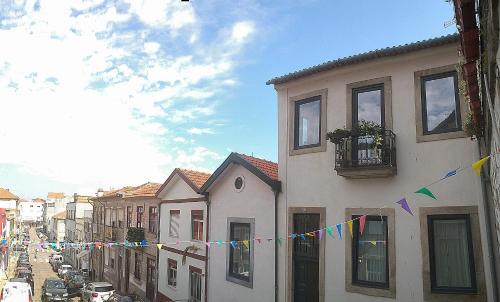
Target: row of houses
[[257, 230]]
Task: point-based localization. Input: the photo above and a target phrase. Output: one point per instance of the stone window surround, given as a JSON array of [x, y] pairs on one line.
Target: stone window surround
[[391, 253], [472, 211], [387, 99], [230, 278], [418, 106], [323, 94], [322, 224]]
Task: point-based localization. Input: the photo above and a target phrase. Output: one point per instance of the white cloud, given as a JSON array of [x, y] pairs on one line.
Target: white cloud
[[200, 131], [81, 100]]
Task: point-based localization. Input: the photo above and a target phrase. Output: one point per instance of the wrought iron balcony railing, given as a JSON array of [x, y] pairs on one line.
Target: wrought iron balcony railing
[[366, 156]]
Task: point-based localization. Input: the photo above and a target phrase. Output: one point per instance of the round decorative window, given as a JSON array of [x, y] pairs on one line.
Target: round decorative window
[[239, 183]]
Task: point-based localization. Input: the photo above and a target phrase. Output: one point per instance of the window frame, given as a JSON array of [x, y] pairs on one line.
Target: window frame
[[354, 254], [432, 261], [322, 94], [171, 262], [129, 216], [197, 213], [296, 128], [153, 222], [199, 272], [170, 223], [423, 99], [247, 282], [137, 266], [355, 101], [419, 111], [139, 217]]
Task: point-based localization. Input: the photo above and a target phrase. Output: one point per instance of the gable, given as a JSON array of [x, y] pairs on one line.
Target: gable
[[177, 188]]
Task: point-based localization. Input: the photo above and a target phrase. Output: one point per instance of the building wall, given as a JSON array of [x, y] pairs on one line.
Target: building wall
[[255, 201], [309, 180]]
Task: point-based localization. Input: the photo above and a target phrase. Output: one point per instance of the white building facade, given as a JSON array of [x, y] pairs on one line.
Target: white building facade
[[242, 194], [183, 219], [74, 230], [436, 254], [30, 212]]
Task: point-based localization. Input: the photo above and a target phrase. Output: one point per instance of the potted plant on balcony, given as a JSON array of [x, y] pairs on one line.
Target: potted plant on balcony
[[369, 128], [337, 135]]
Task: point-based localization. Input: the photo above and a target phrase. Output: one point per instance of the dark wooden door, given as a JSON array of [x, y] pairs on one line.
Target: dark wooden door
[[305, 259], [127, 269], [120, 271], [151, 279]]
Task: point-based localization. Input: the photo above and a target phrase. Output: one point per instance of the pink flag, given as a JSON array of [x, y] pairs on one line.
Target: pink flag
[[320, 234], [362, 221]]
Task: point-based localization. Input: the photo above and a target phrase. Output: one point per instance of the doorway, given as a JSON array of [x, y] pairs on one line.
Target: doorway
[[150, 279], [127, 269]]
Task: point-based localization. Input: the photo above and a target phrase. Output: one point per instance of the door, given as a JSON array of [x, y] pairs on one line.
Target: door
[[151, 279], [120, 273], [305, 259], [127, 269]]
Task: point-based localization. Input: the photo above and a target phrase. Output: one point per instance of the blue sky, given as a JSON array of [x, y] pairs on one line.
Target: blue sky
[[107, 93]]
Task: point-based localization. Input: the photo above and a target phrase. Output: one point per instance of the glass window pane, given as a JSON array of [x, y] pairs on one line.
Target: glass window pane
[[372, 253], [370, 106], [308, 123], [440, 103], [240, 256], [451, 253]]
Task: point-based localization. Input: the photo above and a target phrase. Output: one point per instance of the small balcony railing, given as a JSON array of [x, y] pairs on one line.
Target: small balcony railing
[[366, 156]]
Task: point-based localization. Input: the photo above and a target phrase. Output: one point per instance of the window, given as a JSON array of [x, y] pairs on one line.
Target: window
[[197, 224], [113, 218], [108, 217], [174, 223], [369, 253], [129, 217], [140, 213], [439, 107], [112, 262], [240, 257], [137, 266], [440, 103], [152, 219], [172, 273], [452, 257], [194, 284], [106, 256], [451, 254], [120, 218], [307, 122], [368, 104], [307, 116]]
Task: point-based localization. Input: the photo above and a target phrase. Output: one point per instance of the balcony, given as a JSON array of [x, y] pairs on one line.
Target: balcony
[[366, 156], [135, 234]]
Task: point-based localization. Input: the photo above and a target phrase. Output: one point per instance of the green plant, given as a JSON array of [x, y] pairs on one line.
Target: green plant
[[471, 128], [337, 135], [135, 234], [369, 128], [192, 248]]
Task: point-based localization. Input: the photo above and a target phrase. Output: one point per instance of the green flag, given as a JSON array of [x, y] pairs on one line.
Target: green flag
[[426, 191]]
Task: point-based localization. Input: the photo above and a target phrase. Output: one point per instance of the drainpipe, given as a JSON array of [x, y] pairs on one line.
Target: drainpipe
[[207, 238], [276, 192], [158, 250]]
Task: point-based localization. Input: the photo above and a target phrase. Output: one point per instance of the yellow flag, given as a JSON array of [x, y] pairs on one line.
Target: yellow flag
[[245, 243], [159, 245], [349, 224], [477, 165], [374, 243]]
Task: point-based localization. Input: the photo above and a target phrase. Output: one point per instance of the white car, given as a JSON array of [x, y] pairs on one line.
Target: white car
[[97, 292], [63, 269], [16, 292]]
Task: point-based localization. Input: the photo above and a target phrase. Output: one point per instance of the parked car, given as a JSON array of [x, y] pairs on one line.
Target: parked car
[[116, 297], [63, 269], [19, 248], [54, 289], [16, 292], [56, 265], [28, 276], [85, 272], [97, 292], [26, 265], [69, 274], [55, 258], [75, 285]]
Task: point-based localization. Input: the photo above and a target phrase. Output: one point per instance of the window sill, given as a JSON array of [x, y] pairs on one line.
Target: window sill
[[244, 283], [371, 291], [172, 287], [440, 136], [320, 148]]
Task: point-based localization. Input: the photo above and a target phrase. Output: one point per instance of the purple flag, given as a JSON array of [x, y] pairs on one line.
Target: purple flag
[[320, 234], [404, 205]]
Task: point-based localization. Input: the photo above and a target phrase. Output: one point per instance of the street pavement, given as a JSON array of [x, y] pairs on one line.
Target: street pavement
[[41, 266]]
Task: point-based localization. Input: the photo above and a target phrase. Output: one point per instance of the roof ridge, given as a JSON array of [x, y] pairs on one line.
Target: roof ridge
[[263, 159]]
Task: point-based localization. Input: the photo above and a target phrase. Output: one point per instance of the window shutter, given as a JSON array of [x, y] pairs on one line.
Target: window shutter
[[174, 223]]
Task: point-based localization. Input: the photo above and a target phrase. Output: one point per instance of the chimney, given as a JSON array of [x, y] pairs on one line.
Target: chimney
[[100, 192]]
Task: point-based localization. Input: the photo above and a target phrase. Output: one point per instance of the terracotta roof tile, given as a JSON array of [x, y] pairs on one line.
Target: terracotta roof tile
[[267, 167], [55, 195], [197, 177], [60, 215], [6, 194], [146, 190]]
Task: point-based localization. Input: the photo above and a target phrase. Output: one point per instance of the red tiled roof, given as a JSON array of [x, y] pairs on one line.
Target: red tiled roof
[[55, 195], [145, 190], [198, 178], [267, 167], [6, 194], [40, 200]]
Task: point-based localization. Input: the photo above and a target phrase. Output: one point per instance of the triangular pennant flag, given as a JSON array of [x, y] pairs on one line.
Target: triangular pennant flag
[[234, 244], [279, 241], [269, 239], [219, 242], [329, 231], [404, 205], [450, 173], [362, 221], [208, 244], [320, 234], [258, 240], [477, 165], [426, 192], [349, 224], [159, 245], [302, 236], [245, 244], [339, 230], [374, 243]]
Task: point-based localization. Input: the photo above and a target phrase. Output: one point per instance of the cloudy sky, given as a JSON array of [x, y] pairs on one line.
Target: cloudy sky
[[107, 93]]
